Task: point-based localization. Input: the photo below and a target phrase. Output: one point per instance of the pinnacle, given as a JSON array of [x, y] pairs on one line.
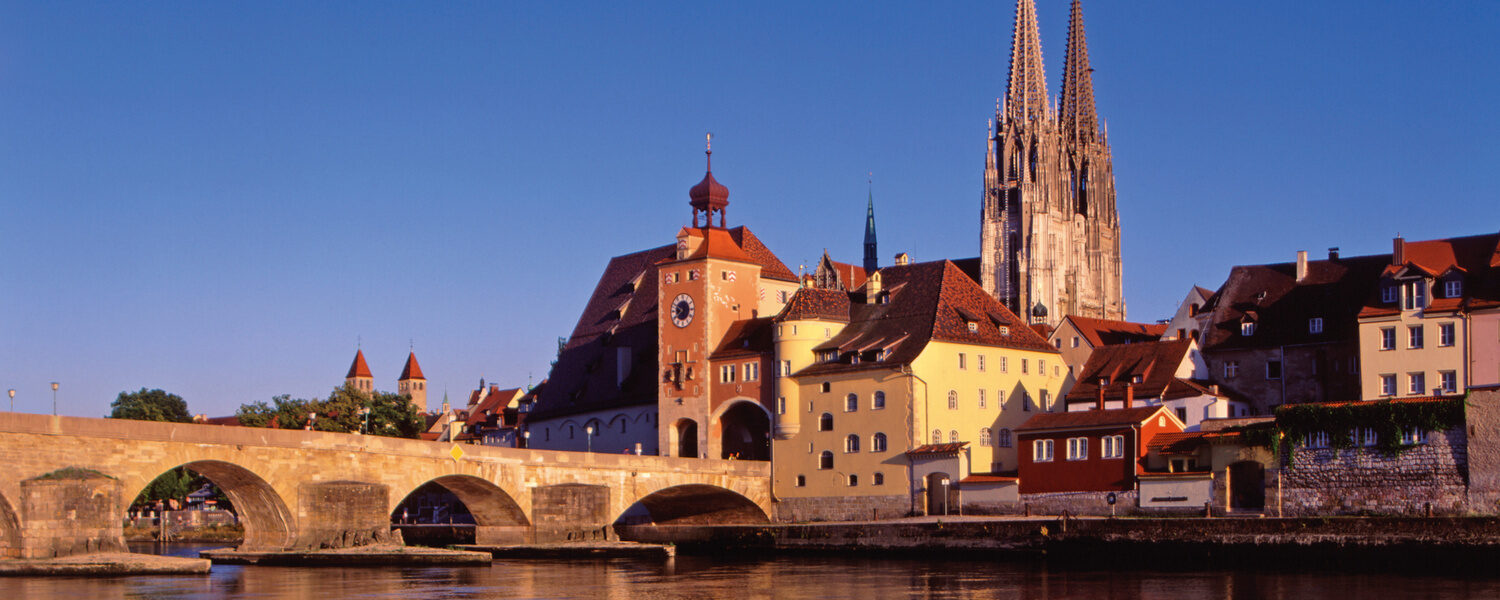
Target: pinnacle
[[1026, 87]]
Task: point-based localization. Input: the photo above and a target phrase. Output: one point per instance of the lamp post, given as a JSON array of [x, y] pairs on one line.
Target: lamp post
[[589, 431], [54, 398], [12, 401], [526, 438], [365, 426]]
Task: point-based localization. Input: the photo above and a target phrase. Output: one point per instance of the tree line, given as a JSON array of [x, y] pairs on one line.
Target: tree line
[[345, 410]]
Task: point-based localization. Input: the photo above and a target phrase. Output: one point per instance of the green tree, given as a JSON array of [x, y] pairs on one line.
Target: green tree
[[284, 412], [343, 411], [176, 483], [150, 405]]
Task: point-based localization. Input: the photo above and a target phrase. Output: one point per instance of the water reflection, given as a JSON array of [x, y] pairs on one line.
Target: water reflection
[[786, 577]]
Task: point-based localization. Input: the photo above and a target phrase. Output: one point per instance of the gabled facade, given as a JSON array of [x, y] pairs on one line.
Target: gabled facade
[[1077, 337], [1429, 326], [919, 356], [1164, 373], [1187, 322], [1093, 451]]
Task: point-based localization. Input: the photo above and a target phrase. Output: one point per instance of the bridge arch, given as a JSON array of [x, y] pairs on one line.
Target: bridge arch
[[264, 514], [488, 503], [696, 503], [10, 530], [744, 429]]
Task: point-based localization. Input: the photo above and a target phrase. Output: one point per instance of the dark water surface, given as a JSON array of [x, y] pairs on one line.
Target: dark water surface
[[789, 577]]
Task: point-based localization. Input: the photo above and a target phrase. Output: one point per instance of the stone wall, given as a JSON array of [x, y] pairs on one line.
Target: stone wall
[[570, 512], [69, 512], [1483, 449], [842, 508], [1365, 480], [344, 514], [1079, 503]]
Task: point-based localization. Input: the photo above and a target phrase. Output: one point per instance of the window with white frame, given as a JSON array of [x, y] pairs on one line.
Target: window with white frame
[[1388, 294], [973, 327], [1041, 366], [980, 363], [1414, 336], [1113, 446], [1025, 400], [879, 401], [851, 403], [1413, 436], [1387, 338], [953, 436], [1414, 295], [963, 361], [1075, 341], [1453, 288], [1041, 451], [1023, 366], [1417, 383], [981, 399], [726, 374], [1315, 325], [781, 405], [984, 436], [752, 371], [1000, 399], [937, 436], [1046, 403], [1319, 439], [851, 443], [1003, 438], [1363, 436], [1231, 369], [1247, 328], [786, 368], [1078, 448], [1449, 381], [952, 400], [1445, 334], [1004, 364], [1388, 384], [877, 443]]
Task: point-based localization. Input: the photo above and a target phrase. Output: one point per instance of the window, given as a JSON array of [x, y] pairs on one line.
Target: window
[[1362, 436], [1182, 413], [1041, 366], [877, 443], [1231, 369], [1075, 341], [952, 400], [1025, 400], [1046, 405], [1445, 334], [1318, 439], [1004, 365], [1273, 369], [1417, 383], [879, 401], [937, 436], [1388, 294], [693, 275], [1414, 295], [825, 461], [801, 481], [1413, 436], [825, 387], [1078, 448], [827, 333], [878, 479], [1315, 325], [953, 436], [853, 480], [1114, 446], [1449, 381], [1057, 342], [752, 371], [1003, 439], [781, 405], [1387, 338], [1000, 399], [825, 422], [851, 443], [1453, 288], [981, 399], [973, 327], [781, 296], [985, 437], [726, 374], [786, 368], [1388, 385], [962, 361], [1247, 329], [851, 403], [1024, 362], [980, 358], [1414, 336], [1041, 451]]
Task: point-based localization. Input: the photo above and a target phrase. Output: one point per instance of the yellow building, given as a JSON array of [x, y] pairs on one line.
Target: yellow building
[[902, 387]]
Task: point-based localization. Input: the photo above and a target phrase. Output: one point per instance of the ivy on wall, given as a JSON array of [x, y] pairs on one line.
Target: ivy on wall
[[1295, 423]]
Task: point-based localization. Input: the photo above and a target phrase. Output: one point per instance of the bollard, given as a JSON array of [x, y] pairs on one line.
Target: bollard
[[1427, 509], [1208, 509], [1028, 509]]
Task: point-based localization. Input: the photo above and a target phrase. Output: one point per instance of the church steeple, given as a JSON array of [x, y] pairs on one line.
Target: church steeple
[[1026, 88], [1080, 122], [872, 260]]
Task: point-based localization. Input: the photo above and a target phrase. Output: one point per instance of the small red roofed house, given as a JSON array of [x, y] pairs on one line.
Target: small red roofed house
[[1092, 451]]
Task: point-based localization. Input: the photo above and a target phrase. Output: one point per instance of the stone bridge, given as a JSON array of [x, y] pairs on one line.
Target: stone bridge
[[67, 482]]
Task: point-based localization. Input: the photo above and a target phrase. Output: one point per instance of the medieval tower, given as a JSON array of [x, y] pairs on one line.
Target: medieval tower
[[1050, 236]]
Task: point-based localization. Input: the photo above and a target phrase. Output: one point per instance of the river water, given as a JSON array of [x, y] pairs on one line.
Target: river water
[[790, 577]]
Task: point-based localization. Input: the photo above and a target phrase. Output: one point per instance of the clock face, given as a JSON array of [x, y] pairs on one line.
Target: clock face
[[682, 310]]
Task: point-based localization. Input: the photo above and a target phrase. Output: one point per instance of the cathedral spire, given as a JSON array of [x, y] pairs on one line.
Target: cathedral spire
[[1080, 122], [872, 260], [1026, 88]]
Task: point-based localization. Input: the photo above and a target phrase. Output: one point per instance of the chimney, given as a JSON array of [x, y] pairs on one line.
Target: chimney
[[1333, 253], [1214, 389], [1301, 265], [1099, 400], [903, 259], [1398, 251], [1129, 395]]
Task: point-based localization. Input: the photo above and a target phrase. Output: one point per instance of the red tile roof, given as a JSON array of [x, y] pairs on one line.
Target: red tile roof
[[1089, 419], [988, 478], [412, 370], [1474, 259], [1107, 332], [1186, 442], [359, 368], [495, 403], [770, 266], [746, 337], [717, 243], [1156, 363], [1280, 305], [816, 304], [950, 448]]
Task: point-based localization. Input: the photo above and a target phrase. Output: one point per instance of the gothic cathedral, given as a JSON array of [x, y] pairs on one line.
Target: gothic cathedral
[[1050, 235]]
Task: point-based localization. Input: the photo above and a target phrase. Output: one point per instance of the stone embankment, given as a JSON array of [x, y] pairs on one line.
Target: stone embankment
[[363, 556], [1442, 543], [105, 564]]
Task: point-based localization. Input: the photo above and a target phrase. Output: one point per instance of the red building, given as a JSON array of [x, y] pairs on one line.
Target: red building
[[1091, 451]]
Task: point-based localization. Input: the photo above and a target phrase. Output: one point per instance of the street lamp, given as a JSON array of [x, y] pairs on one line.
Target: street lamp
[[526, 438], [12, 401], [54, 398], [590, 431], [364, 427]]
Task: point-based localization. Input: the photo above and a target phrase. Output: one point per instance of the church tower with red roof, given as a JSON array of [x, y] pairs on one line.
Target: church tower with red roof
[[359, 374], [412, 384]]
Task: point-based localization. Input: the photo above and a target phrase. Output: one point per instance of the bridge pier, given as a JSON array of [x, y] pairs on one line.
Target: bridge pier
[[66, 512], [343, 514], [570, 512]]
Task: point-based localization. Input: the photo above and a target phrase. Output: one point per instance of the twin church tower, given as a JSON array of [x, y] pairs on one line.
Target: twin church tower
[[1050, 235]]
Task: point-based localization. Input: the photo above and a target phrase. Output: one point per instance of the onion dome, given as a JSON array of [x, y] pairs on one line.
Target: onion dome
[[709, 196]]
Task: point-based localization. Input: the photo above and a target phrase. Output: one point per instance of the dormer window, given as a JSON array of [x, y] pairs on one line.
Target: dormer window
[[973, 327], [1004, 330], [1247, 328], [1103, 381], [1414, 295], [1315, 325], [1453, 288], [1135, 379], [1388, 293], [883, 298]]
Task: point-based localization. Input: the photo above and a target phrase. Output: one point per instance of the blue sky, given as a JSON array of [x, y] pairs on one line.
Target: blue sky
[[223, 199]]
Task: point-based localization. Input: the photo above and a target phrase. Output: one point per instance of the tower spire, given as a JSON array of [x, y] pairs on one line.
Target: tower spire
[[872, 260], [1080, 122], [1026, 87], [708, 196]]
